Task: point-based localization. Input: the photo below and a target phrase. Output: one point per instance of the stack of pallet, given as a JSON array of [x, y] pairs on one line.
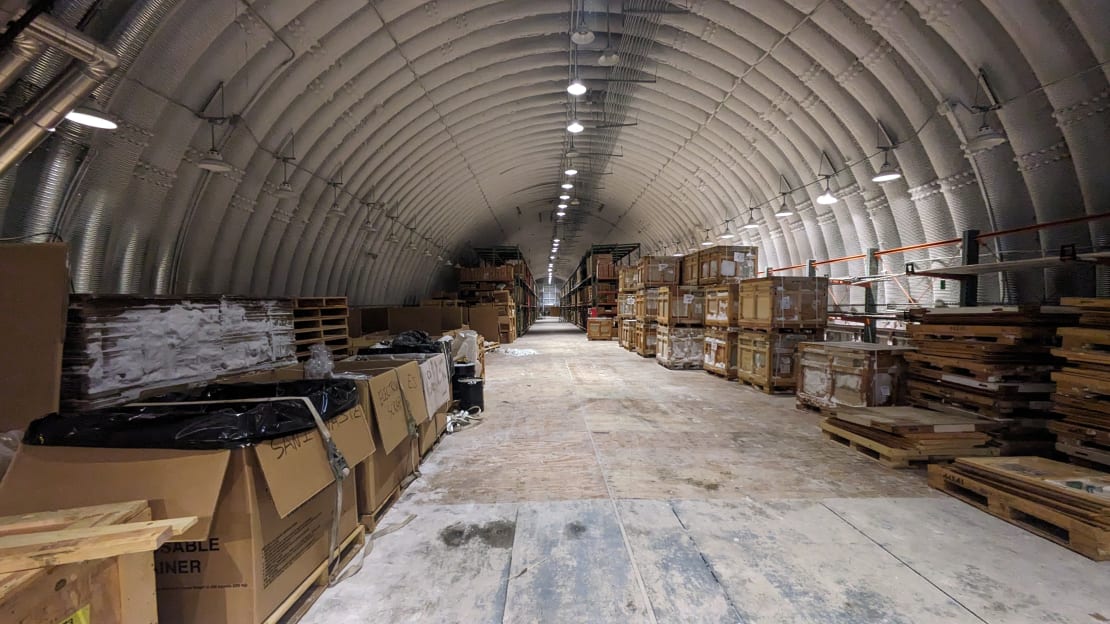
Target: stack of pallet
[[991, 362], [904, 437], [680, 333], [321, 320], [775, 315], [506, 316], [1064, 503], [1083, 385]]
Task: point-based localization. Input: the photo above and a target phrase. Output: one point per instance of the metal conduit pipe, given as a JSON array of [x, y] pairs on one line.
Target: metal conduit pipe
[[62, 95], [24, 50]]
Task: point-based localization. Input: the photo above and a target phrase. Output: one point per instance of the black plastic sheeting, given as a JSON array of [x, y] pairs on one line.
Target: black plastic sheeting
[[200, 427], [412, 341]]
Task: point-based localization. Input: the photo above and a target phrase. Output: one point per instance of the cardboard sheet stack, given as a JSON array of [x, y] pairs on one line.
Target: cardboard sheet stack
[[994, 363], [1083, 384], [903, 437], [119, 346], [1067, 504]]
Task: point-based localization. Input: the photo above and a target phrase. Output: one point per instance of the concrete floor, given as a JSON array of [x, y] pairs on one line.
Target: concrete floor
[[604, 488]]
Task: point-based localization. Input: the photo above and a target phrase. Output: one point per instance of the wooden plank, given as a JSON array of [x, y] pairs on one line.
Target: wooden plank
[[906, 419], [112, 513], [38, 550]]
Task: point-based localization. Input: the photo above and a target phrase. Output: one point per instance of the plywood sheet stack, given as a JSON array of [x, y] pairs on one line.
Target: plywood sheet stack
[[118, 346], [1064, 503], [1083, 384], [775, 315], [904, 437], [991, 362]]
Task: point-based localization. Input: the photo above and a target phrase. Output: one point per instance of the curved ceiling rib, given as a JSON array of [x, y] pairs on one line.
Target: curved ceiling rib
[[444, 121]]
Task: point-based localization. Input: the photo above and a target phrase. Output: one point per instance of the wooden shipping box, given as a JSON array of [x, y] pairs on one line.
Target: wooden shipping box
[[600, 328], [680, 347], [653, 271], [852, 374], [628, 333], [769, 359], [644, 338], [264, 512], [784, 302], [720, 352], [722, 306], [647, 305], [34, 291], [502, 274], [725, 264], [681, 305], [691, 265]]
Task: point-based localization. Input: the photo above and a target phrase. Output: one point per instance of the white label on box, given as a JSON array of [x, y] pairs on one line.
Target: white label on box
[[738, 256], [784, 302], [630, 300], [728, 268], [687, 299]]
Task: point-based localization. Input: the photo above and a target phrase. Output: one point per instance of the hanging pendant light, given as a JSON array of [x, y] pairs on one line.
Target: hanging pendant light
[[576, 87], [581, 34], [575, 126], [571, 171], [750, 224], [707, 242], [784, 210], [564, 197], [985, 138], [567, 185], [729, 233], [214, 161], [827, 198], [285, 189], [609, 56]]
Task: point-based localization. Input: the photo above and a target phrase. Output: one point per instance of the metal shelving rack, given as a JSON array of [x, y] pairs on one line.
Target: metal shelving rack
[[577, 296], [524, 285]]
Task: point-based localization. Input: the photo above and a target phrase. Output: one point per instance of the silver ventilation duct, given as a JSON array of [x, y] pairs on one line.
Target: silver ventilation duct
[[49, 109]]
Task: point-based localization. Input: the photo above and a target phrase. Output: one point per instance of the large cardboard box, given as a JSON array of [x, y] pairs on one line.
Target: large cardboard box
[[451, 317], [483, 319], [428, 319], [265, 512], [34, 287], [434, 373]]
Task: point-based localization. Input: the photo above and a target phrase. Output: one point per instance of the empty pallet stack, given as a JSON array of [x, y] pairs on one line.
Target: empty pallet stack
[[506, 316], [1064, 503], [775, 315], [320, 320], [905, 437], [652, 273], [994, 363], [680, 335], [1083, 385]]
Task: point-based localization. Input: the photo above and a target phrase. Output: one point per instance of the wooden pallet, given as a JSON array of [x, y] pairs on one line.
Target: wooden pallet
[[763, 386], [805, 403], [1085, 339], [370, 521], [978, 370], [892, 456], [678, 366], [1010, 505], [927, 394], [728, 375], [903, 420], [296, 606], [1042, 386], [997, 334]]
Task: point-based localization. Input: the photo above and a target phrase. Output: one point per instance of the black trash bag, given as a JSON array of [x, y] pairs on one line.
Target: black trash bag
[[200, 427], [413, 338]]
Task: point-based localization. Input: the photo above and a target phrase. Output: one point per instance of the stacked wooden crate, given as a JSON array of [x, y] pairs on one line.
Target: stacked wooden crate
[[506, 316], [1064, 503], [652, 273], [628, 333], [680, 333], [722, 317], [775, 315], [1083, 385], [321, 320], [724, 264], [832, 375], [645, 339], [991, 362], [904, 437], [601, 328]]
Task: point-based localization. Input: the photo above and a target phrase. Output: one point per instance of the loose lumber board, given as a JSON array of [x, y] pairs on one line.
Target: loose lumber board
[[904, 419]]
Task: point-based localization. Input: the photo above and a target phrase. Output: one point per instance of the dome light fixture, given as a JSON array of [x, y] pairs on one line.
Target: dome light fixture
[[567, 185], [285, 189], [750, 224], [561, 206], [609, 56], [985, 138], [447, 263], [784, 210], [571, 171], [561, 213], [92, 118], [427, 253], [886, 172], [575, 126], [581, 34], [729, 233], [564, 197], [708, 242], [555, 240], [213, 161], [576, 87], [827, 198]]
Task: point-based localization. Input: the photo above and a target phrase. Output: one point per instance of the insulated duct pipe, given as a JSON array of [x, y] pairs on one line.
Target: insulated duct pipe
[[46, 112], [24, 50]]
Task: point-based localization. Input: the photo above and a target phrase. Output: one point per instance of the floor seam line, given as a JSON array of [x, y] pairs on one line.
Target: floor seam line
[[620, 521], [509, 571], [708, 564], [903, 562]]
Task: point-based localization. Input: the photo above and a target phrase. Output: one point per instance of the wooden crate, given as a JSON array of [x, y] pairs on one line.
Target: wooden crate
[[767, 360], [719, 354], [654, 271], [680, 348], [88, 564], [722, 306], [725, 264], [626, 305], [502, 274], [681, 305], [852, 374], [784, 302], [600, 328], [626, 280], [691, 264], [645, 339], [628, 333], [647, 305]]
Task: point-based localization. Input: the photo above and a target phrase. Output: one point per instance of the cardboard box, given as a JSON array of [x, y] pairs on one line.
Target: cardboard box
[[435, 376], [428, 319], [34, 291], [264, 512], [483, 319], [451, 317]]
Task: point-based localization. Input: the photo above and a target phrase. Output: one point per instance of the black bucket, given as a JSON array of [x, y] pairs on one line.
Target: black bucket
[[464, 370], [469, 392]]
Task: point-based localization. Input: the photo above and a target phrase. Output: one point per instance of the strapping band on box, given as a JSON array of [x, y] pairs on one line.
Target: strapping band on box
[[339, 467]]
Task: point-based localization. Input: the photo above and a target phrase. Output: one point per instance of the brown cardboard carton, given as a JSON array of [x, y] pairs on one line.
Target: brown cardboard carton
[[426, 432], [433, 372], [483, 319], [34, 287], [428, 319], [451, 318], [265, 512], [441, 423]]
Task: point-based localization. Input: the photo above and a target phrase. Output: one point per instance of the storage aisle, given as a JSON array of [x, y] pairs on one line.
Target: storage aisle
[[602, 487]]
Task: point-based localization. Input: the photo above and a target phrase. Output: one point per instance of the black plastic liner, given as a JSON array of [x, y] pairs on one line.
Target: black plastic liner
[[412, 341], [200, 427]]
